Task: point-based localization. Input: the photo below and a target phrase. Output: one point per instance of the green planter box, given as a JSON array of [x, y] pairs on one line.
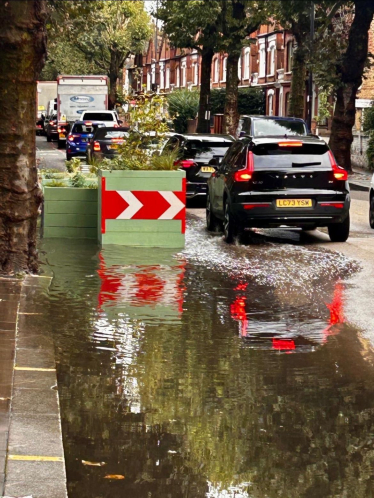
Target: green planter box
[[70, 212], [142, 208]]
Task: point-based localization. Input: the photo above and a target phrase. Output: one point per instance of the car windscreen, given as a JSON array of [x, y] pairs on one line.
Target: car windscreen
[[275, 156], [204, 150], [84, 128], [105, 134], [99, 116], [275, 128]]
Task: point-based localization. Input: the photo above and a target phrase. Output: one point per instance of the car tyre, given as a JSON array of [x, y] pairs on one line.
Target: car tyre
[[339, 232], [69, 157], [60, 144], [49, 138], [213, 224], [371, 212], [230, 229]]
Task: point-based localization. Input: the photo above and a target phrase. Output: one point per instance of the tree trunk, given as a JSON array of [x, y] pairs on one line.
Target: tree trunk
[[114, 71], [231, 113], [23, 49], [203, 124], [297, 93], [351, 71]]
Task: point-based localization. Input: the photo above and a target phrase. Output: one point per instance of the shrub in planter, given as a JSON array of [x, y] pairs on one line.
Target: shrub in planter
[[141, 191]]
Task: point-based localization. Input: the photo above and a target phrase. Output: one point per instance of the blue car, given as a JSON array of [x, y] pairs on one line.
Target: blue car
[[80, 134]]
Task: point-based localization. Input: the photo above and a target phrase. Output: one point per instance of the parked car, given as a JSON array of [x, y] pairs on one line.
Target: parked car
[[50, 127], [39, 126], [371, 200], [267, 126], [195, 153], [272, 182], [78, 138], [105, 142], [110, 118]]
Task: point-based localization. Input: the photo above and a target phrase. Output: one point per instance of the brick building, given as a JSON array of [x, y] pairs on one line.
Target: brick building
[[266, 64]]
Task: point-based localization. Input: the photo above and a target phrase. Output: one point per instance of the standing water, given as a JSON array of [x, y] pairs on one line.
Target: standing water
[[216, 372]]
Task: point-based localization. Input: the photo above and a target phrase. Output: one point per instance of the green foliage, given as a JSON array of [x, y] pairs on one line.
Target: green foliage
[[183, 105], [370, 151], [325, 107], [368, 122], [166, 161], [250, 101], [73, 165], [55, 183], [95, 37], [145, 139]]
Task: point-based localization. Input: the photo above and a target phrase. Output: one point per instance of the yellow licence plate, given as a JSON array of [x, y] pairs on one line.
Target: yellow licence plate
[[207, 169], [294, 203], [113, 146], [62, 135]]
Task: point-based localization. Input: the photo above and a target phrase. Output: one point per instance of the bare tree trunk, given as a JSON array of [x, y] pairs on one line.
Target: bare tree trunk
[[351, 71], [23, 49], [297, 94], [113, 78], [203, 124], [231, 113]]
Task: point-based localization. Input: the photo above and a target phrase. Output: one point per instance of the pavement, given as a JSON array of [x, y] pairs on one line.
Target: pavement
[[31, 450], [360, 180]]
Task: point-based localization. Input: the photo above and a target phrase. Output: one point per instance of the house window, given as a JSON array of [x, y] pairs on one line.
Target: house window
[[270, 103], [247, 58], [224, 69], [272, 59], [240, 68], [184, 74], [153, 67], [196, 74], [287, 104], [289, 56], [262, 61], [162, 76], [216, 70], [167, 85], [149, 81], [177, 77]]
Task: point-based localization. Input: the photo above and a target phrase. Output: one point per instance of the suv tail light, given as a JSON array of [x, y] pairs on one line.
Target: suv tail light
[[184, 163], [339, 172], [88, 123], [244, 175], [97, 147], [71, 138]]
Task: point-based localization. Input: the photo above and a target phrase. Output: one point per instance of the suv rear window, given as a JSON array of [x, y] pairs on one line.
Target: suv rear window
[[271, 127], [99, 116], [272, 156], [105, 134], [202, 150], [82, 128]]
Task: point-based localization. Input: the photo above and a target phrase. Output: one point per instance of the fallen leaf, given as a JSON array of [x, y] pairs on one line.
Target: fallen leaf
[[114, 476], [93, 464]]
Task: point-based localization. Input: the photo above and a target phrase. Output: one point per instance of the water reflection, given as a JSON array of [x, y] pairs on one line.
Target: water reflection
[[170, 372]]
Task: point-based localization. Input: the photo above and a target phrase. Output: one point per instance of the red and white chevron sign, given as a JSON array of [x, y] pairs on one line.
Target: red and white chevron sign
[[142, 205]]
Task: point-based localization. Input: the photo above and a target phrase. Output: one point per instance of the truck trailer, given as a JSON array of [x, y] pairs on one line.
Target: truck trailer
[[76, 94]]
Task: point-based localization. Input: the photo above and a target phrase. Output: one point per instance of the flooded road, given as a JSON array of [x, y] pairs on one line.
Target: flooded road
[[216, 372]]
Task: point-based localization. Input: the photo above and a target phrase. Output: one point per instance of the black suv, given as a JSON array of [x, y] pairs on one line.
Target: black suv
[[196, 151], [272, 182]]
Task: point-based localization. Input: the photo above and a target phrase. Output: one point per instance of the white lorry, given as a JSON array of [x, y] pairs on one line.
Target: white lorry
[[75, 95]]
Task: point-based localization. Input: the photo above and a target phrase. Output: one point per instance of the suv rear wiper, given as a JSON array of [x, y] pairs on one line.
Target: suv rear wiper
[[297, 165]]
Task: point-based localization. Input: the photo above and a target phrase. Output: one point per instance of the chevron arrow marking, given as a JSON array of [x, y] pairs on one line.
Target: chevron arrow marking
[[134, 205], [176, 206]]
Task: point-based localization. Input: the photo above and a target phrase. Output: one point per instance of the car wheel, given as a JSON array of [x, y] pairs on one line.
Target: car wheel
[[371, 212], [339, 232], [230, 229], [60, 144], [49, 138], [68, 157], [213, 224]]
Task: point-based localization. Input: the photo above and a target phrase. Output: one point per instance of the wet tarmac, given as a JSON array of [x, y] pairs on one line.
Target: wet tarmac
[[216, 372]]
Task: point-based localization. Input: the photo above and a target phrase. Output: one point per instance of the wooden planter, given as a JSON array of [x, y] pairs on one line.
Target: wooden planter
[[142, 208], [70, 212]]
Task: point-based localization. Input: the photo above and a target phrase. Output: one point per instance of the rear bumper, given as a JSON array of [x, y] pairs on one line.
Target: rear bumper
[[76, 149], [260, 210], [196, 189]]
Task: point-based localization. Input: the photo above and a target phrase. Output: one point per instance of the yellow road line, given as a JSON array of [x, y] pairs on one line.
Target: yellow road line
[[35, 458], [29, 369]]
